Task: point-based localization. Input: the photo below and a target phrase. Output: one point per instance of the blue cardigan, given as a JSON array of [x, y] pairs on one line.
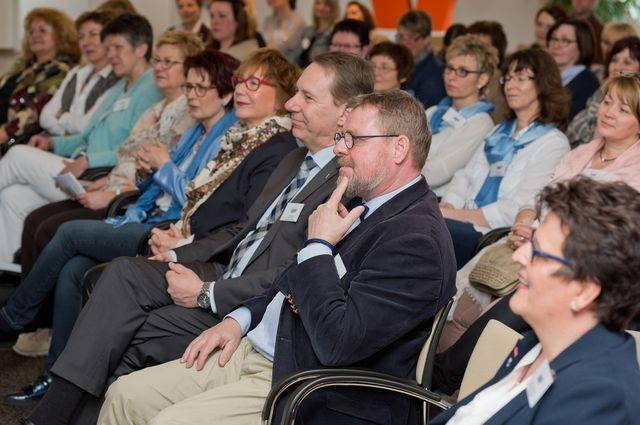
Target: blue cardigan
[[581, 88], [427, 82], [169, 178]]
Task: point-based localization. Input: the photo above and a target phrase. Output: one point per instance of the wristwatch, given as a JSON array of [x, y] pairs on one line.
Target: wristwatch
[[203, 297]]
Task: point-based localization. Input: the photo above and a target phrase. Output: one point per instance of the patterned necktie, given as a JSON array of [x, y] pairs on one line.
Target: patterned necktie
[[264, 225]]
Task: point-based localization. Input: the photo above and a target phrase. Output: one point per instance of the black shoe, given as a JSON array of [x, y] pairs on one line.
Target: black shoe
[[8, 339], [25, 421], [31, 395]]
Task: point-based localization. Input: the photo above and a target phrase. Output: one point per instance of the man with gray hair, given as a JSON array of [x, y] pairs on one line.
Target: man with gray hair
[[362, 293]]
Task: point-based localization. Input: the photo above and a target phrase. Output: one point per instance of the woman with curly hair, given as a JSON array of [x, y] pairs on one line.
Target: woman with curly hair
[[49, 50]]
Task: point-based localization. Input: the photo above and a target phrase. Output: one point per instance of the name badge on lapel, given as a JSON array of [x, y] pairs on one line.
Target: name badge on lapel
[[342, 270], [121, 104], [498, 169], [539, 383], [454, 118], [292, 212]]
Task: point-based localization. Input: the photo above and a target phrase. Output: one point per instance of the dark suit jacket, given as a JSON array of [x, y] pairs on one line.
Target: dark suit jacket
[[581, 88], [597, 381], [230, 203], [427, 81], [277, 250], [400, 270]]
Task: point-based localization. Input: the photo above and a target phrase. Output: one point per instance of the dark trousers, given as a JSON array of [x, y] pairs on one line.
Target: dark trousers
[[465, 238], [42, 224], [451, 364], [130, 322]]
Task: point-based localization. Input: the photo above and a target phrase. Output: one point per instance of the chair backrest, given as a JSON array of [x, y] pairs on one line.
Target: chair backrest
[[495, 343], [636, 336], [424, 368]]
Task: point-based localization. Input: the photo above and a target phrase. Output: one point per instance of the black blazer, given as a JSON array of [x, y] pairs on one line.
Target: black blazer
[[400, 270], [278, 248], [581, 88], [597, 381], [230, 202]]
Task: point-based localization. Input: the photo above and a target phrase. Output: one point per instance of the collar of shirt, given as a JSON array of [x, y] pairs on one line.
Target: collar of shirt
[[323, 156], [105, 71]]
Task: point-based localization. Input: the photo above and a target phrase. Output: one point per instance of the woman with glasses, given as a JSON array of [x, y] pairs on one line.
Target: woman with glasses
[[210, 180], [612, 156], [460, 121], [516, 158], [392, 65], [578, 289], [622, 58], [49, 50], [233, 29], [573, 45]]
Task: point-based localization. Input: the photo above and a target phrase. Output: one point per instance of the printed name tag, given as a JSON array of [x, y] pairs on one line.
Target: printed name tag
[[342, 270], [498, 169], [454, 118], [539, 383], [121, 104], [292, 212]]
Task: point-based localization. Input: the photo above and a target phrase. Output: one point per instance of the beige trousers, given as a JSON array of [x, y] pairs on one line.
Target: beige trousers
[[172, 394]]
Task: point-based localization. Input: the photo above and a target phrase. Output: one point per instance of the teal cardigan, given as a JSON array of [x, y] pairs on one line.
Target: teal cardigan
[[111, 123]]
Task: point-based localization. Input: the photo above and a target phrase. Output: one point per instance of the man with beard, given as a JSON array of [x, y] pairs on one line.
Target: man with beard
[[363, 293]]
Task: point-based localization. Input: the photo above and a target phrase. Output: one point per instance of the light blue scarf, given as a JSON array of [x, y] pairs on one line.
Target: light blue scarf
[[437, 123], [500, 148]]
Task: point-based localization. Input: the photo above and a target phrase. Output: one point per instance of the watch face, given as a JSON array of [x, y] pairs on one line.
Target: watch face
[[203, 301]]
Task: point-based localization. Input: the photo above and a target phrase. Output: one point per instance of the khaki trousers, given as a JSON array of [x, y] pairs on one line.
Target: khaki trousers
[[172, 394]]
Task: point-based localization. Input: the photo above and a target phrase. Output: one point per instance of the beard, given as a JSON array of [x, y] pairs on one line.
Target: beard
[[362, 185]]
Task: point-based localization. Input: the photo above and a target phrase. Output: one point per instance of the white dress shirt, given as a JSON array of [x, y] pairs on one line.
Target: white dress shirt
[[525, 176], [76, 119]]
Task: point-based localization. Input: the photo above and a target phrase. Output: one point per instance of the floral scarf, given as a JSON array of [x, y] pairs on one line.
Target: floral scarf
[[235, 145]]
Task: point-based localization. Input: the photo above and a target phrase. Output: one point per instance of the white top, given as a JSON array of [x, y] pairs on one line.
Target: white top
[[74, 121], [526, 175], [489, 401], [452, 148]]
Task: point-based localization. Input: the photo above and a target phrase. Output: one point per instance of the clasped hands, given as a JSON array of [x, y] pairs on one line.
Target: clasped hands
[[152, 156], [331, 220]]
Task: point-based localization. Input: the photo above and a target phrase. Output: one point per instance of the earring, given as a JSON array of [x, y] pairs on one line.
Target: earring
[[574, 306]]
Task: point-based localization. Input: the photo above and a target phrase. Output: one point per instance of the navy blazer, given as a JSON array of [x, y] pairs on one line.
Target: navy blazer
[[400, 269], [597, 381], [581, 88], [427, 81]]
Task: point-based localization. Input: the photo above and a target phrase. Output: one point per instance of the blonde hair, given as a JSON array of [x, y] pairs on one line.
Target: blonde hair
[[628, 91], [623, 29], [64, 33], [486, 56], [189, 43]]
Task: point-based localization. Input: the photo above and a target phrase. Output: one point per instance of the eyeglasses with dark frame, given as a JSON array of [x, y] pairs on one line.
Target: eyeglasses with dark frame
[[350, 139], [199, 89], [535, 252], [460, 72], [251, 83], [520, 78], [165, 63]]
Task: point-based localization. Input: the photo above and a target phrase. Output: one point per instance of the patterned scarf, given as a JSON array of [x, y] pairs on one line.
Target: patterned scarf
[[235, 145]]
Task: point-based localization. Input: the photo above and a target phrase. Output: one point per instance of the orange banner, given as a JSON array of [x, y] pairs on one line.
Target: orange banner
[[387, 12]]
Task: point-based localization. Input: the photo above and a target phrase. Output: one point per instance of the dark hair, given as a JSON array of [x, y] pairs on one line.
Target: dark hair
[[245, 25], [136, 29], [399, 54], [454, 31], [553, 97], [99, 17], [632, 43], [602, 244], [495, 32], [556, 12], [197, 1], [416, 21], [585, 39], [366, 13], [359, 28], [218, 66], [352, 75], [117, 7]]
